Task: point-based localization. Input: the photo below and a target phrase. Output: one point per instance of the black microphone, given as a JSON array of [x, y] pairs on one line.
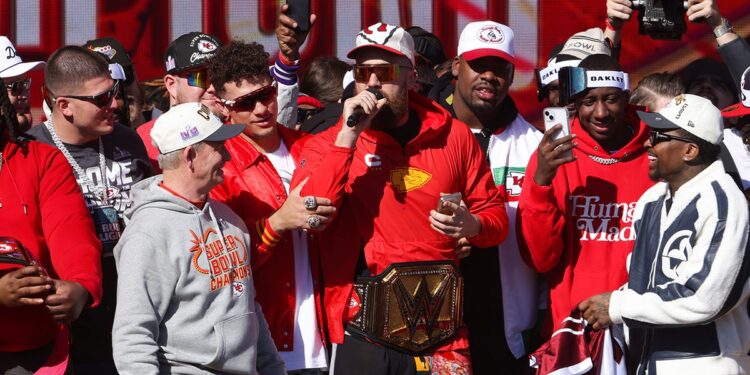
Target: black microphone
[[358, 112]]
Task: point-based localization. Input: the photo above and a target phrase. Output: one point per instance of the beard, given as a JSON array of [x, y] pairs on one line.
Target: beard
[[391, 113]]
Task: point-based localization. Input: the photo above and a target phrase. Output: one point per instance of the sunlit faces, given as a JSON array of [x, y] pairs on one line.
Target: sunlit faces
[[665, 154], [208, 161], [483, 83], [602, 114], [252, 103], [90, 106], [187, 86], [395, 84]]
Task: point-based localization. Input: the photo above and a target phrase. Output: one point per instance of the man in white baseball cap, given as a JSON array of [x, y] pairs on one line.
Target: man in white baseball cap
[[689, 265], [14, 71], [185, 295]]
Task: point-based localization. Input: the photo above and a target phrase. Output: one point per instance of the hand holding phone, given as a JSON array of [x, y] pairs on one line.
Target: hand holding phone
[[443, 208], [299, 11], [554, 116]]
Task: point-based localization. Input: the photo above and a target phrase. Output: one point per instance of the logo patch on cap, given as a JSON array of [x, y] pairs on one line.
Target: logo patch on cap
[[190, 132], [491, 34], [170, 63], [106, 50], [206, 46]]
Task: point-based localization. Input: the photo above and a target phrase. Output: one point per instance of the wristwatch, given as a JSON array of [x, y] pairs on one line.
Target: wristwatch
[[723, 28]]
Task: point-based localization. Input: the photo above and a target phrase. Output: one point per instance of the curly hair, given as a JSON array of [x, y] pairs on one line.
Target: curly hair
[[10, 131], [237, 61]]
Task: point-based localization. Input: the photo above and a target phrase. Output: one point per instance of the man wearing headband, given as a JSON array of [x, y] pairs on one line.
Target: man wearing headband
[[284, 254], [186, 298], [585, 43], [484, 71], [107, 158], [385, 166], [685, 303], [14, 73], [576, 210]]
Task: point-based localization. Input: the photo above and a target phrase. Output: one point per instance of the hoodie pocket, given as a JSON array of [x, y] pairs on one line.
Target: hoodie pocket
[[236, 343]]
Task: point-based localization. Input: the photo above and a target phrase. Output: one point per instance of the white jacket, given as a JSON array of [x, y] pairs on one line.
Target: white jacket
[[686, 301]]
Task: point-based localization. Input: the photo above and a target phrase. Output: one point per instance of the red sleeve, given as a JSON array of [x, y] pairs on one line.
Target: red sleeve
[[540, 221], [326, 165], [74, 249], [260, 245], [144, 131], [481, 195]]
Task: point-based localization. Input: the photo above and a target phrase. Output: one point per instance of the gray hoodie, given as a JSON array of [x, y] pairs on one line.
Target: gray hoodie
[[185, 296]]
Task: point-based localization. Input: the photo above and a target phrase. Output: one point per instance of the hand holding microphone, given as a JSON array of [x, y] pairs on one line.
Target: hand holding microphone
[[364, 106]]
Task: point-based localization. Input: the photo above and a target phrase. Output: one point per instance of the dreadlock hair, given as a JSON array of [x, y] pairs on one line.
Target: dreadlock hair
[[10, 131]]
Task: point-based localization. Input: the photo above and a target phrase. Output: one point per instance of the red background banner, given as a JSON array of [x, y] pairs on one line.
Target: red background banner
[[145, 28]]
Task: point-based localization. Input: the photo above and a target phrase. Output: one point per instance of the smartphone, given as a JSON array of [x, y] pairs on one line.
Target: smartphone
[[453, 197], [554, 116], [299, 10]]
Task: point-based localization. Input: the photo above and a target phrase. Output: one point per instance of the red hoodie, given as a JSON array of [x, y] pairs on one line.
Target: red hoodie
[[42, 206], [579, 229], [384, 193]]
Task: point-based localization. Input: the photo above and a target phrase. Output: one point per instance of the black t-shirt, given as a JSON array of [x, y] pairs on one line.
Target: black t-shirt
[[405, 133]]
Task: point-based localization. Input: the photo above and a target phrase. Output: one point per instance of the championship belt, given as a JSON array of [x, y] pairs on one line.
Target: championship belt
[[410, 307]]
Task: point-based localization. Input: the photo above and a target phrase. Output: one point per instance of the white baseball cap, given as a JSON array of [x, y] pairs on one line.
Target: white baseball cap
[[11, 64], [393, 39], [486, 38], [586, 43], [187, 124], [692, 113]]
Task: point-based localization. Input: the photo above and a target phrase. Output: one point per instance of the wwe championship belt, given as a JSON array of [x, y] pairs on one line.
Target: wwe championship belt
[[410, 307]]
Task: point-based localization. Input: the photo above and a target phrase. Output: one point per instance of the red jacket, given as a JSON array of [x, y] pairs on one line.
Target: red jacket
[[42, 206], [384, 193], [144, 131], [579, 229], [253, 189]]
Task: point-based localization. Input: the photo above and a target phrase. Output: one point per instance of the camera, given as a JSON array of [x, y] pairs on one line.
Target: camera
[[661, 19]]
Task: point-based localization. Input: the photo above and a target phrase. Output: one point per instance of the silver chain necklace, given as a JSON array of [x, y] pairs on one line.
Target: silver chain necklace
[[605, 161], [103, 192]]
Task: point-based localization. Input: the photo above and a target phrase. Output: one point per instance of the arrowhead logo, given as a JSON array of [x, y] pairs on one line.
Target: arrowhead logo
[[406, 179]]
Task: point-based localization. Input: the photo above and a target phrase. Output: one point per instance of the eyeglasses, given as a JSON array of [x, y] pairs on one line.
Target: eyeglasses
[[19, 87], [247, 102], [384, 72], [658, 137], [196, 78], [100, 100]]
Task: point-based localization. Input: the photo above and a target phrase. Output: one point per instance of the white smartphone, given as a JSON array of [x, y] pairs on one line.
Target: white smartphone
[[554, 116]]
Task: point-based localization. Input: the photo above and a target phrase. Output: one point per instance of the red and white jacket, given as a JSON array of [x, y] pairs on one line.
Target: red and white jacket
[[579, 229], [384, 193], [253, 189]]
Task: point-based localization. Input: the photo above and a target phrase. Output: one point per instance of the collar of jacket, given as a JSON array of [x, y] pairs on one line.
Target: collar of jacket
[[244, 154]]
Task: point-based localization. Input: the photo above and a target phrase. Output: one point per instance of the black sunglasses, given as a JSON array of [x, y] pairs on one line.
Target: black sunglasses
[[100, 100], [247, 102], [657, 137]]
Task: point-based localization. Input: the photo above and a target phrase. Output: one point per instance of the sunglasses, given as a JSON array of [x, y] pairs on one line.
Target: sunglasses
[[658, 137], [100, 100], [19, 87], [196, 78], [247, 102], [384, 72]]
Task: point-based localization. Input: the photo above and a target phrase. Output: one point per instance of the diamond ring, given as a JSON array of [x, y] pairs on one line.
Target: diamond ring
[[310, 203], [313, 221]]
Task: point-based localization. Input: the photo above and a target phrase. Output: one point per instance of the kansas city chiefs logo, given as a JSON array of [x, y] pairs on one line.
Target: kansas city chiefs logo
[[406, 179], [206, 46]]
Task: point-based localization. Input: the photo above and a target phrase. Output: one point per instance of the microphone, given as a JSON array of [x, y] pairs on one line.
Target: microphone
[[358, 112]]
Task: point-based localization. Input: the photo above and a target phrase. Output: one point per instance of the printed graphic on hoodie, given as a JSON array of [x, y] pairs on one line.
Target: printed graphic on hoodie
[[599, 220], [226, 261]]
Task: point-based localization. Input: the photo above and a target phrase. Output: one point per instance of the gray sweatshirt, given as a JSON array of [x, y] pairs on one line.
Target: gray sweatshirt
[[185, 296]]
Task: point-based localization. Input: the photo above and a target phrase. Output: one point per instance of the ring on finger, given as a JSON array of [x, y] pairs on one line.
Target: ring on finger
[[310, 203], [313, 221]]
